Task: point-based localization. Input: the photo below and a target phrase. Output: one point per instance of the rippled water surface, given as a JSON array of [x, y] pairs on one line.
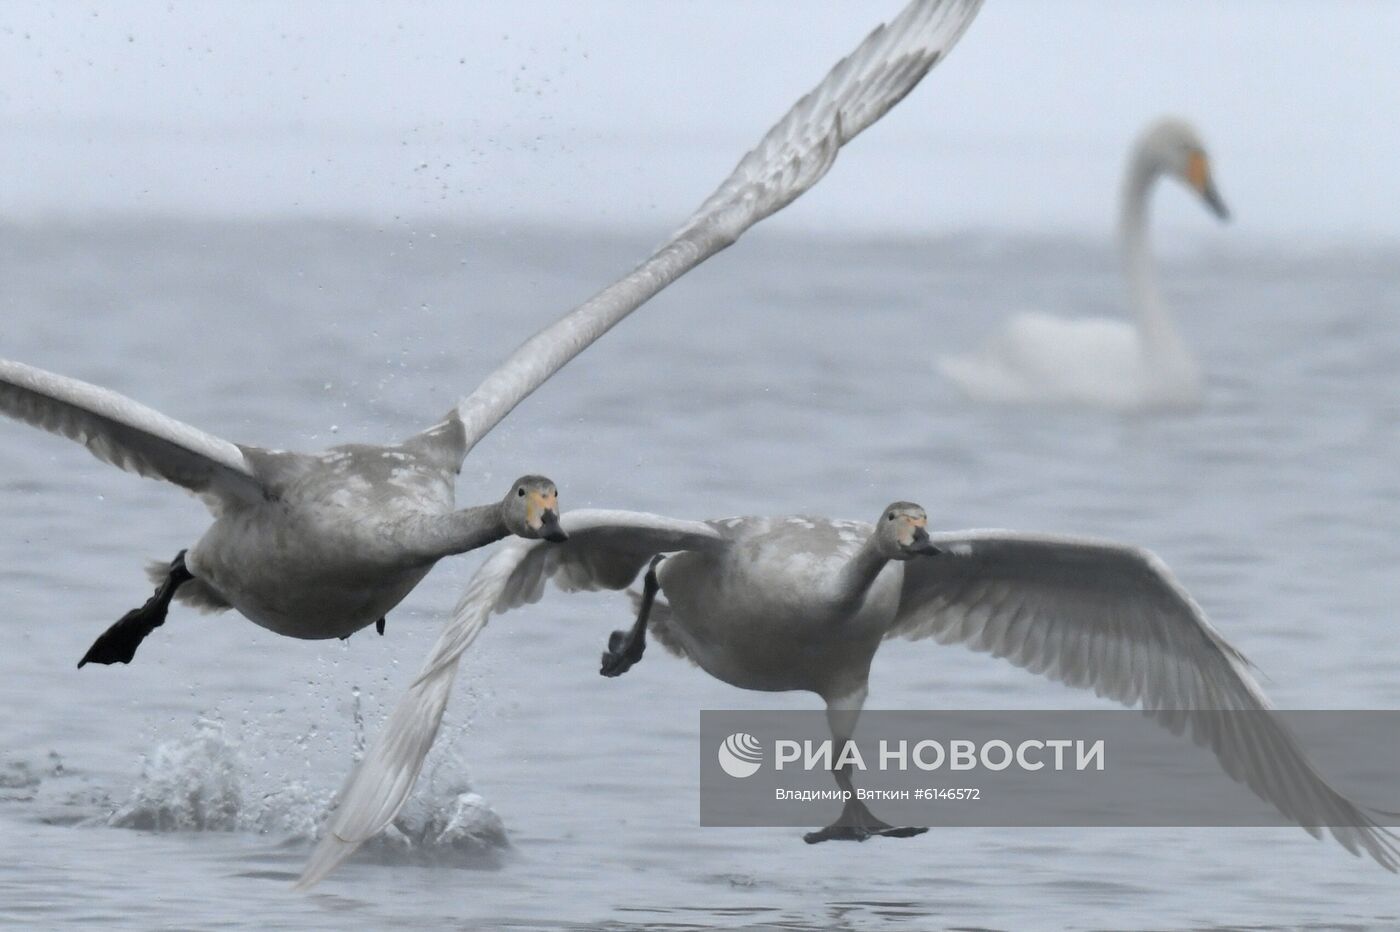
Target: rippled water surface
[[786, 376]]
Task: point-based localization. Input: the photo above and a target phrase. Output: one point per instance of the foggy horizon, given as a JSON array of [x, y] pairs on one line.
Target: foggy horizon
[[618, 115]]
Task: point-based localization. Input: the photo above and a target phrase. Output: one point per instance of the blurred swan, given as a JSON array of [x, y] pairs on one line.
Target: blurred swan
[[318, 546], [1101, 362], [803, 603]]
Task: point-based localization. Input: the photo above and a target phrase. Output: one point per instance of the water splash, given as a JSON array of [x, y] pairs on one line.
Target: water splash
[[189, 784], [203, 782]]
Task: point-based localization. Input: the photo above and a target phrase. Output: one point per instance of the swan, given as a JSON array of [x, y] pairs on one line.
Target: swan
[[322, 545], [803, 603], [1100, 362], [310, 546]]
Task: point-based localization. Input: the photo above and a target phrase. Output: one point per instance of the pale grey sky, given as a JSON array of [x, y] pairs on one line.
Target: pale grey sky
[[626, 113]]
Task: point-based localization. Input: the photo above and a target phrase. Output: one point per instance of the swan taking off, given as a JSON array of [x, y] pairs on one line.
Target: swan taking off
[[797, 603], [311, 546], [1041, 359], [318, 546]]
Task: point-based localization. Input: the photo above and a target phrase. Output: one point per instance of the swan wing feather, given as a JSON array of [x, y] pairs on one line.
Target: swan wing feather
[[856, 92], [128, 435], [791, 158], [1113, 619]]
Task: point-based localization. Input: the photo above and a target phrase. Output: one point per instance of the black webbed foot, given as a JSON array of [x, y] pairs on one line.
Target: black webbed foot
[[118, 643], [859, 833], [857, 823], [379, 626], [622, 653]]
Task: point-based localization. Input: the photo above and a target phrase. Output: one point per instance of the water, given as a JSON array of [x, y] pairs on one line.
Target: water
[[788, 375]]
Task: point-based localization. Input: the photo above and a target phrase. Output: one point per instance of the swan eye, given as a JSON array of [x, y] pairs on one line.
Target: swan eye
[[520, 491], [890, 516]]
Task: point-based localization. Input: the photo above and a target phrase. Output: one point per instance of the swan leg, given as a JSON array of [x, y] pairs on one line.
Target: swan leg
[[856, 822], [118, 643], [625, 648]]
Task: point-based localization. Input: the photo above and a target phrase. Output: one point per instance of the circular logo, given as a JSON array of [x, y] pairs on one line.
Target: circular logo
[[740, 755]]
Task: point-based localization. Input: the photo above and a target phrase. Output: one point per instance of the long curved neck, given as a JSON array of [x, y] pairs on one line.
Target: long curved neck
[[1159, 334], [860, 573], [550, 350]]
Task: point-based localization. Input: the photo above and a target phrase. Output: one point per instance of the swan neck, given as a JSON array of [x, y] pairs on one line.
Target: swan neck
[[1158, 329], [861, 572], [430, 538], [552, 348]]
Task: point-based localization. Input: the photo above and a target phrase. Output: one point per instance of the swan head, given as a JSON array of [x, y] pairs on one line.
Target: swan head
[[1173, 147], [902, 532], [531, 509]]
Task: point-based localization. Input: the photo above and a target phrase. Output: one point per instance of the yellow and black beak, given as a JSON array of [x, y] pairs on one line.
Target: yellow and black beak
[[547, 508], [542, 516], [1199, 177]]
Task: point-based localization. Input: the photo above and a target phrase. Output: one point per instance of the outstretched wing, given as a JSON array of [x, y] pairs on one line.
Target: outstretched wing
[[790, 159], [605, 550], [128, 435], [860, 89], [1113, 619]]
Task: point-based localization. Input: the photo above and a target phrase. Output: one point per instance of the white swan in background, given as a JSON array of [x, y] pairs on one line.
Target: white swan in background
[[800, 603], [317, 546], [1042, 359]]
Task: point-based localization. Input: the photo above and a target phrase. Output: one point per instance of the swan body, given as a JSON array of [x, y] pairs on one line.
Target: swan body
[[345, 537], [743, 629], [316, 546], [1094, 362], [1042, 359], [804, 603]]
